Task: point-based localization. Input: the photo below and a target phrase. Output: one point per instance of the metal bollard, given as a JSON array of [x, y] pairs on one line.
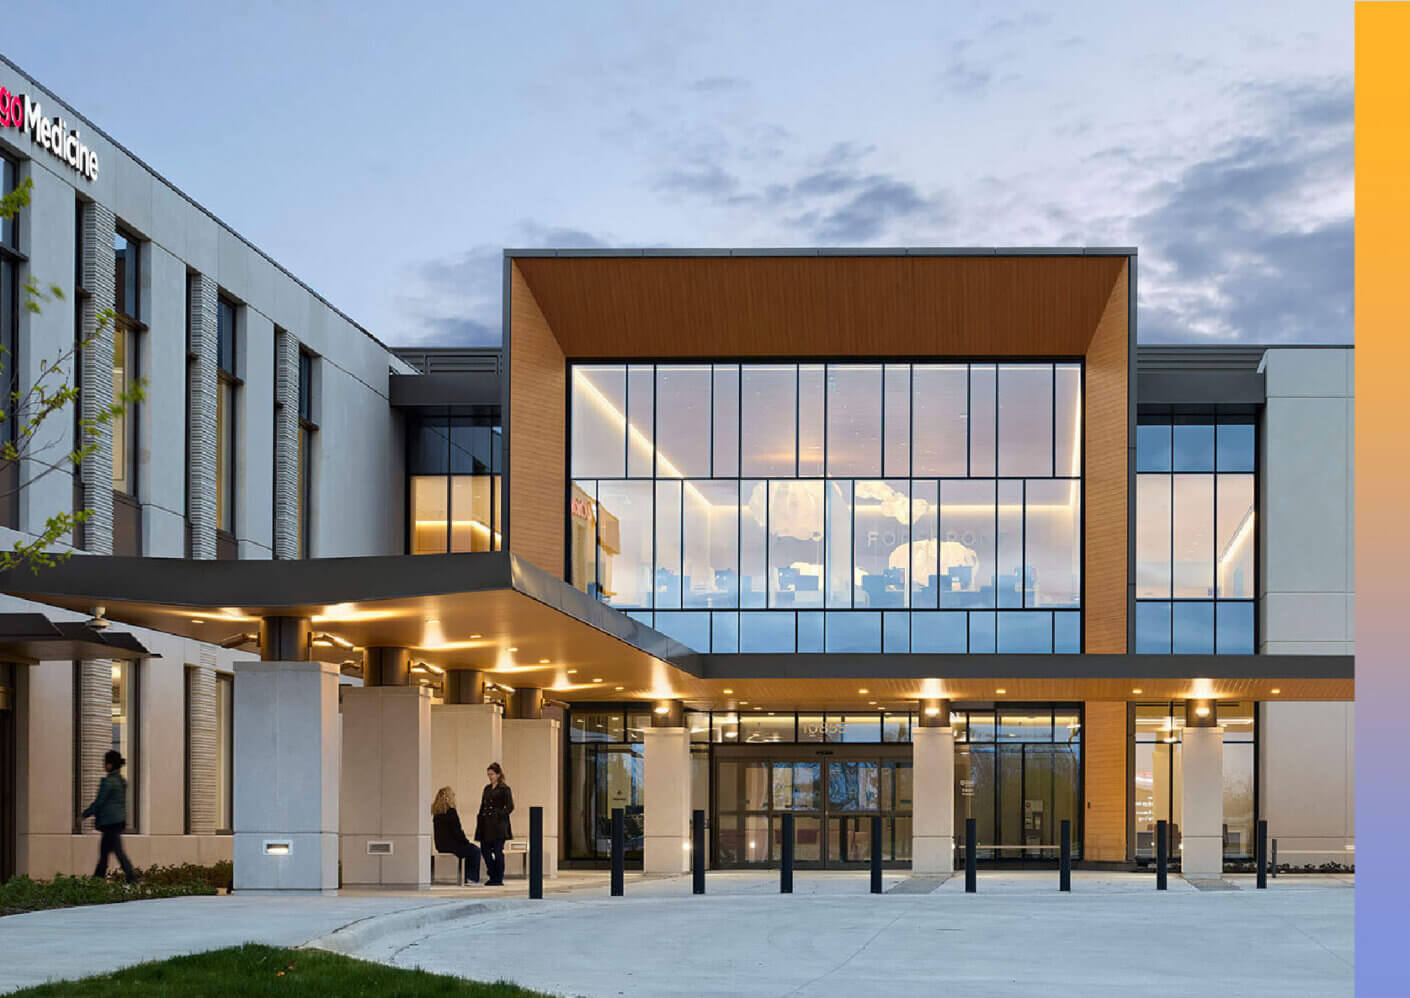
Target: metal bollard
[[536, 853], [619, 850], [971, 870], [1161, 859], [1274, 871], [785, 870], [697, 851], [1065, 856], [1262, 848], [876, 854]]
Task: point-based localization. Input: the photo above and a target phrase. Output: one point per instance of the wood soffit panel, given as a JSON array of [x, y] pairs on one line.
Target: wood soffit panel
[[643, 307]]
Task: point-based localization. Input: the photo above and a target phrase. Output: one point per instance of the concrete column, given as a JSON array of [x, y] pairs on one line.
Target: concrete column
[[1202, 802], [666, 799], [533, 755], [385, 804], [465, 738], [286, 776], [933, 802]]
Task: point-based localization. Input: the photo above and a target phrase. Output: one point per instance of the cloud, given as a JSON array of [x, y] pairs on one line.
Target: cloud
[[718, 85], [1254, 242], [456, 300], [879, 200]]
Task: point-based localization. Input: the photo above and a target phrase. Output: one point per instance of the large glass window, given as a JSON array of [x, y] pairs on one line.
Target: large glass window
[[307, 427], [1158, 731], [225, 416], [453, 467], [847, 488], [127, 703], [9, 324], [1196, 536], [225, 753], [127, 330]]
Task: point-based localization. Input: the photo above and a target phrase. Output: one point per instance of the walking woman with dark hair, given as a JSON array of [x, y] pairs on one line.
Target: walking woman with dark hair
[[109, 813], [492, 825]]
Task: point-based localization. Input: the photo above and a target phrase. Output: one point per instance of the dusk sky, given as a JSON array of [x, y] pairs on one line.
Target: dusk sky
[[386, 154]]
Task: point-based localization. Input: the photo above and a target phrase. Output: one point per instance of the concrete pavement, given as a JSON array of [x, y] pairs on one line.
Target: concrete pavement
[[1114, 935]]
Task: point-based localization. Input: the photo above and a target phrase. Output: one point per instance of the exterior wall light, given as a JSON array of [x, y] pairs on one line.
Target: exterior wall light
[[1202, 711], [932, 712], [278, 847]]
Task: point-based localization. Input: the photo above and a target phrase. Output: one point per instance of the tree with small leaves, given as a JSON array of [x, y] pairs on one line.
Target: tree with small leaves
[[26, 410]]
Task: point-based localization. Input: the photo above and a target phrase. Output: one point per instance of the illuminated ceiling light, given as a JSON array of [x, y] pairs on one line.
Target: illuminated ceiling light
[[597, 679], [871, 703], [198, 620], [727, 692], [543, 661], [475, 637], [864, 691], [511, 649], [433, 620], [758, 708], [1138, 690], [619, 688], [1001, 691], [1275, 691], [744, 703]]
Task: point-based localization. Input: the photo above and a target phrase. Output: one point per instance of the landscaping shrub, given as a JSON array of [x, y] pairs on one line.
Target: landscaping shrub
[[219, 875], [22, 893]]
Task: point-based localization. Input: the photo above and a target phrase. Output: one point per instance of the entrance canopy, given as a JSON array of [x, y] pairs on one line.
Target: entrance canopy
[[496, 613]]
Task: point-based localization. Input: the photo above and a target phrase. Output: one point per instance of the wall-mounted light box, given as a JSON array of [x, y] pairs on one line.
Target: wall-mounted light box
[[278, 847]]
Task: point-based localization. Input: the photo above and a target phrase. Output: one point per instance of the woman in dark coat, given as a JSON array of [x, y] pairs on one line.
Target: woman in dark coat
[[492, 826], [450, 837], [109, 813]]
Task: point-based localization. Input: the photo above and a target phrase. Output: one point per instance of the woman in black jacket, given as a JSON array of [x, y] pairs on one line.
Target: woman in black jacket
[[450, 836], [492, 826]]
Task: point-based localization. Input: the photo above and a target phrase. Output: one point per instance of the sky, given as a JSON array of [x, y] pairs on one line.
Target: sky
[[386, 154]]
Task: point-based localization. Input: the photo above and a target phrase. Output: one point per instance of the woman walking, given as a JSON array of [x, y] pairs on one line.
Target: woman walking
[[109, 813], [492, 826], [450, 835]]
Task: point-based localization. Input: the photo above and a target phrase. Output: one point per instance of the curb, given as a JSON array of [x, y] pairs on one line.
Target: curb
[[349, 939]]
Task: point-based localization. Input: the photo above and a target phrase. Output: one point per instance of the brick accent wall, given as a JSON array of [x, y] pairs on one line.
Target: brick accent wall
[[200, 726], [96, 386]]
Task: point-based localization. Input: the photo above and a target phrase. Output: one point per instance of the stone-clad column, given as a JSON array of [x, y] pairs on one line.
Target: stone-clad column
[[96, 378], [286, 445], [201, 724], [1202, 792], [94, 685], [933, 762], [200, 429]]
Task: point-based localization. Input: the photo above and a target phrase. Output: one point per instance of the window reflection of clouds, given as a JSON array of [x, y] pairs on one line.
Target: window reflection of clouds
[[855, 541]]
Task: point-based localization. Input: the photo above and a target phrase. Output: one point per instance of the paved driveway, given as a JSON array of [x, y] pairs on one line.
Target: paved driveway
[[1114, 935]]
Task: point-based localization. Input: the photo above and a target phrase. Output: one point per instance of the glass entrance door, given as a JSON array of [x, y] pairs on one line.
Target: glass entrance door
[[832, 794]]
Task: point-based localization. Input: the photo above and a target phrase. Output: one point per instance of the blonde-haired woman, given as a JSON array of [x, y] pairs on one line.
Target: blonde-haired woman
[[450, 836]]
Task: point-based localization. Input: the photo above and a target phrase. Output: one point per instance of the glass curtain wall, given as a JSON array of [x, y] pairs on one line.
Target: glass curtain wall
[[1156, 776], [832, 507], [606, 771], [1196, 537], [454, 471]]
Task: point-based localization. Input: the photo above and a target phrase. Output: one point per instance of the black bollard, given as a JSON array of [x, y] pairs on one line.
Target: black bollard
[[1160, 855], [1262, 847], [536, 853], [785, 870], [1274, 871], [1065, 856], [619, 850], [971, 869], [876, 854], [697, 851]]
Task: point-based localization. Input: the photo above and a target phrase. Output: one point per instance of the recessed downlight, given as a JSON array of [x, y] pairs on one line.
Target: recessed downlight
[[727, 692], [1001, 691], [511, 649], [543, 661], [1275, 691], [476, 637], [1138, 691], [864, 691]]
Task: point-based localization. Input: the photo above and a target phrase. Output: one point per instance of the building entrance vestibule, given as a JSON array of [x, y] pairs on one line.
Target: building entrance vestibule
[[833, 791]]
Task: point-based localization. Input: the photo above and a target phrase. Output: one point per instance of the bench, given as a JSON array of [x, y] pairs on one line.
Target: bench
[[444, 857], [520, 848]]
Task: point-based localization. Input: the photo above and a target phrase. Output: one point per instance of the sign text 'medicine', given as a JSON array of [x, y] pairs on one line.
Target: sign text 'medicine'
[[18, 111]]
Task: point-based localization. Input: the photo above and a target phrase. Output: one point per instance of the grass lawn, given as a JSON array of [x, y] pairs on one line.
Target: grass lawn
[[268, 970]]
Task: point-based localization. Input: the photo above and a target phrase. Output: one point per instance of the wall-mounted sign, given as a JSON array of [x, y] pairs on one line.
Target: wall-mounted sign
[[62, 142], [582, 508]]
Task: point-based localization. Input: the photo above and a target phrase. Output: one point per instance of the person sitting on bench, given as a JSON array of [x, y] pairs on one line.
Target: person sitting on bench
[[450, 836]]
